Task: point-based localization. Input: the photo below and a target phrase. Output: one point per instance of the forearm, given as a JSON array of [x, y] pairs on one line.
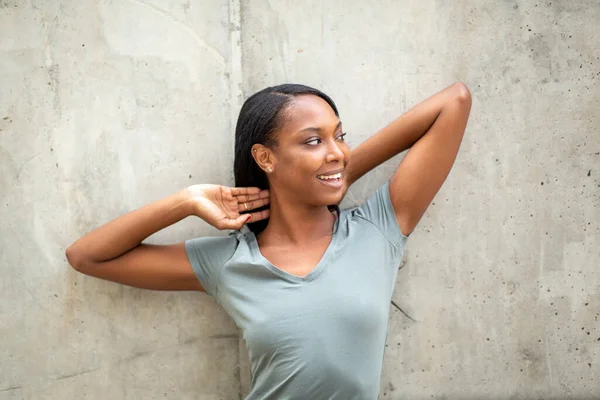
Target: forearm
[[128, 231], [399, 135]]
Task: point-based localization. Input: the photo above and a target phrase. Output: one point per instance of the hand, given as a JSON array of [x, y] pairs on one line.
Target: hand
[[221, 206]]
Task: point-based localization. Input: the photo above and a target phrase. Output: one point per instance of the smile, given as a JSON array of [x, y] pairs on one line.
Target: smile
[[330, 177], [333, 180]]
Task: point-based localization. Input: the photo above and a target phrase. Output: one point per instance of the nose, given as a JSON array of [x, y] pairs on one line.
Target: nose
[[334, 152]]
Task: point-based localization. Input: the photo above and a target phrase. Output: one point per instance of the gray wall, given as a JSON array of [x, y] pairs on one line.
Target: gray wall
[[108, 105]]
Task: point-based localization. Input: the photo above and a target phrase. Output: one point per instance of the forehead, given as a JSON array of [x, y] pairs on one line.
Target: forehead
[[309, 111]]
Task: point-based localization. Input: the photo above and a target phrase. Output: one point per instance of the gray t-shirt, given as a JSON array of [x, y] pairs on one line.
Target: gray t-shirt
[[321, 336]]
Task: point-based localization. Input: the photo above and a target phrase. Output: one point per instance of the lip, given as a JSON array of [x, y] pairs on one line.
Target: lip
[[335, 184]]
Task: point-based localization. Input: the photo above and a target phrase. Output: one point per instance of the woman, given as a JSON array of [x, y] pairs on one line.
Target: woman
[[309, 285]]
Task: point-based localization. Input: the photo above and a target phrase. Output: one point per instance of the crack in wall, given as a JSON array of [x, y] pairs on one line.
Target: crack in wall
[[236, 94], [211, 49]]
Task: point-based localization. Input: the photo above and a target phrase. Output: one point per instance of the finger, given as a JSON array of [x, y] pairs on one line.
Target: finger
[[237, 191], [234, 223], [251, 205], [259, 215], [243, 198]]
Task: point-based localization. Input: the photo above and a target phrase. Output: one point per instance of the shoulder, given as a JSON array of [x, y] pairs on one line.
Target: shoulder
[[377, 211], [372, 207], [213, 244], [208, 256], [225, 245]]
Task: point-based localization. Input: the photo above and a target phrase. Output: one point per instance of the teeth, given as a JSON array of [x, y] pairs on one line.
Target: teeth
[[334, 176]]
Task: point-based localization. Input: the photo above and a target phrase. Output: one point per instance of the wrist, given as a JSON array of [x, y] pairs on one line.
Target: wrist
[[186, 203]]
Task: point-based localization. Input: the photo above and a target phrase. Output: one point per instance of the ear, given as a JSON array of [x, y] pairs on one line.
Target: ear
[[264, 157]]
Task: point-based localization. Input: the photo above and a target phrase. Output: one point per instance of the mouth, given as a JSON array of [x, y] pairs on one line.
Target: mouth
[[332, 180]]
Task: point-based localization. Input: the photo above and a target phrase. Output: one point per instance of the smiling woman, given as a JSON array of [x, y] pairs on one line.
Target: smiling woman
[[288, 139], [308, 284]]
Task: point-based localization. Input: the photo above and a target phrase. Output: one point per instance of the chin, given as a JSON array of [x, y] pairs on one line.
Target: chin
[[337, 199], [319, 195]]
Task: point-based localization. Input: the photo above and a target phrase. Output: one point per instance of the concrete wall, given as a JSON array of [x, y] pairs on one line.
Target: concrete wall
[[108, 105]]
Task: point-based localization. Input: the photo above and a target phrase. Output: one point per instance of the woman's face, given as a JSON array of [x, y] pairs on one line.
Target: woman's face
[[311, 155]]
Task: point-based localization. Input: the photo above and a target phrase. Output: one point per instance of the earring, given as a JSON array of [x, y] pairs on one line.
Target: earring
[[270, 169]]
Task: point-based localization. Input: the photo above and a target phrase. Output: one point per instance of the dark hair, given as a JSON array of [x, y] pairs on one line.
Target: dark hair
[[261, 116]]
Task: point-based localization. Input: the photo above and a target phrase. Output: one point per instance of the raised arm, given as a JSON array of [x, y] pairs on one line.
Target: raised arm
[[433, 131], [114, 251]]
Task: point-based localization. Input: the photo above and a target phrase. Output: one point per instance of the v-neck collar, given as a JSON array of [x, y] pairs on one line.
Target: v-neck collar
[[318, 268]]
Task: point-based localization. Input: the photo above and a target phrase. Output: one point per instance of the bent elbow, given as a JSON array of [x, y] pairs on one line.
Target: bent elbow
[[463, 93], [73, 258]]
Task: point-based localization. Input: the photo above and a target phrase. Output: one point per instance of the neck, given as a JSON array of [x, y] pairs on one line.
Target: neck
[[297, 224]]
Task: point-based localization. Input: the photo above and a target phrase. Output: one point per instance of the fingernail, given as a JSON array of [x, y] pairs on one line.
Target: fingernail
[[249, 218]]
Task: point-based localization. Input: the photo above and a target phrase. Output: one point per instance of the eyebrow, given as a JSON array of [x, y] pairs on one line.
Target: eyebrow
[[318, 130]]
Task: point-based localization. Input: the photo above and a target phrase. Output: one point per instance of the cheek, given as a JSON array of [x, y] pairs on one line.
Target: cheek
[[301, 162]]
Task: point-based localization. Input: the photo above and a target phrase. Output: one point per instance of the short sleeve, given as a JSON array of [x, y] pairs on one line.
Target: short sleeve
[[379, 211], [207, 255]]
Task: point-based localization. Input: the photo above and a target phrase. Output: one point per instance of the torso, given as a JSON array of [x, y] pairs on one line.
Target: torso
[[314, 317]]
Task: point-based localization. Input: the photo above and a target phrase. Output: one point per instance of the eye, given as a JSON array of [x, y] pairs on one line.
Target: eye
[[313, 142], [341, 137]]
